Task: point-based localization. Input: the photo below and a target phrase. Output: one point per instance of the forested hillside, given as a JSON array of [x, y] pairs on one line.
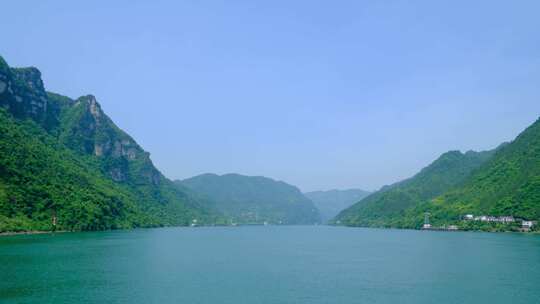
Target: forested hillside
[[65, 159], [388, 206], [507, 185], [501, 183], [255, 199]]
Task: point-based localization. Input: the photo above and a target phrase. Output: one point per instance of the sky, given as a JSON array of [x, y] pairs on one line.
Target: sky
[[320, 94]]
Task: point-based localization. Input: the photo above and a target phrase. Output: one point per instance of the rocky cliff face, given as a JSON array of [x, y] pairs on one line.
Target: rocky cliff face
[[87, 129], [79, 124], [22, 92], [84, 126]]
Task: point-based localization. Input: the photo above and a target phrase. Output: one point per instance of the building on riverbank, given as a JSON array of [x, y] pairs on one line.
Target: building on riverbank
[[527, 225], [490, 218]]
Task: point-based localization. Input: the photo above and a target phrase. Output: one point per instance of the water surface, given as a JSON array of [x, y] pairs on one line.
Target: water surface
[[253, 265]]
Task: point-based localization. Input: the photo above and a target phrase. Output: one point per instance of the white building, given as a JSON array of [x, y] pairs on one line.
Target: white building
[[490, 218], [527, 224], [506, 219]]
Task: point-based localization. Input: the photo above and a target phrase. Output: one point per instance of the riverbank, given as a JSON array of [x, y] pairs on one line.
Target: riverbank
[[11, 233], [443, 230]]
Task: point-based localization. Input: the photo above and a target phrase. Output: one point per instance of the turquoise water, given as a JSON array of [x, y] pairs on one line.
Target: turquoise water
[[270, 265]]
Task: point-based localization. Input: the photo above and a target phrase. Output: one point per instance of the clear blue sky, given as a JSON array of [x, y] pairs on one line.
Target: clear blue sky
[[320, 94]]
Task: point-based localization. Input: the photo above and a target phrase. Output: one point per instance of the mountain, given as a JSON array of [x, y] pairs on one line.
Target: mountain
[[67, 159], [254, 199], [507, 185], [387, 207], [331, 202]]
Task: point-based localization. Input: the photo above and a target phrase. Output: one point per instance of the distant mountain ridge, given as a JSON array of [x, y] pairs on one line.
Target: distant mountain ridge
[[254, 199], [67, 159], [331, 202]]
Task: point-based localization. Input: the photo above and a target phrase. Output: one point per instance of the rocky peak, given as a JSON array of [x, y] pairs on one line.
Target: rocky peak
[[89, 130], [30, 77], [84, 127], [93, 106], [22, 92]]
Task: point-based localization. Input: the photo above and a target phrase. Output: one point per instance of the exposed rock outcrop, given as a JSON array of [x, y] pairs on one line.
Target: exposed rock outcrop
[[22, 92]]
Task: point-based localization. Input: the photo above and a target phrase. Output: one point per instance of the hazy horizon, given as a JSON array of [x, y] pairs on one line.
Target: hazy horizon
[[319, 95]]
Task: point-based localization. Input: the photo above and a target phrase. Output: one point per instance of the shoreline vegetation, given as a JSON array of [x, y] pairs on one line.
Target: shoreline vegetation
[[36, 232], [445, 230], [462, 226], [12, 233]]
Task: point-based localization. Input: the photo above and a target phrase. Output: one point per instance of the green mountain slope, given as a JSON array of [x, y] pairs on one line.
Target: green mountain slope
[[331, 202], [67, 158], [388, 206], [255, 199], [507, 185]]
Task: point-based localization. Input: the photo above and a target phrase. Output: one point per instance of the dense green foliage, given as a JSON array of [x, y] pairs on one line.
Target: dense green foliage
[[505, 182], [507, 185], [389, 206], [39, 177], [331, 202], [66, 158], [255, 199]]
